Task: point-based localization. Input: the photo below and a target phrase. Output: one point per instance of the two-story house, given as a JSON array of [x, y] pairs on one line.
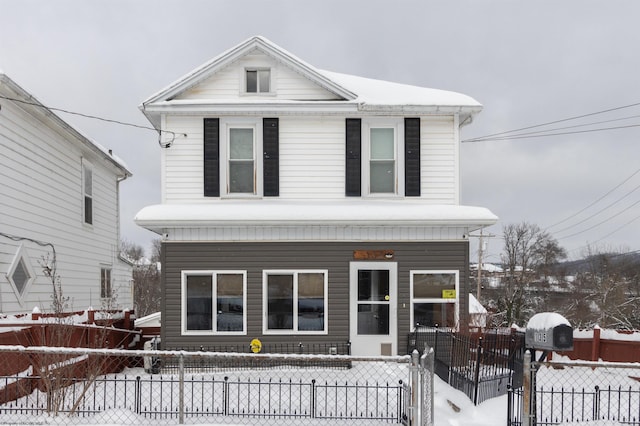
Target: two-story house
[[59, 206], [301, 205]]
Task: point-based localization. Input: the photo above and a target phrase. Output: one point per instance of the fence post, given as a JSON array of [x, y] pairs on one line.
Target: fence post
[[416, 403], [181, 390], [138, 393], [526, 390], [427, 373], [476, 378]]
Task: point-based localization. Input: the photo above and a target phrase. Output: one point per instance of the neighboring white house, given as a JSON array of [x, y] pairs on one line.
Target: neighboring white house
[[301, 206], [59, 193]]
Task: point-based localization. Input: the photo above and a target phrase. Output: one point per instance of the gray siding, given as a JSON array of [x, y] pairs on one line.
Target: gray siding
[[254, 257]]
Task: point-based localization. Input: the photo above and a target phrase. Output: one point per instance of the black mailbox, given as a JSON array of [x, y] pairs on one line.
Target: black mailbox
[[549, 331]]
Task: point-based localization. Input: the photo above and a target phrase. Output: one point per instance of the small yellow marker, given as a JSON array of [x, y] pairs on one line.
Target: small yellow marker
[[256, 346]]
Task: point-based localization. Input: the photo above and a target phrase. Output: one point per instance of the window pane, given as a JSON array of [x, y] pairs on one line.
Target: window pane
[[434, 314], [382, 176], [373, 285], [241, 177], [20, 276], [199, 300], [229, 306], [431, 285], [382, 144], [88, 181], [241, 144], [252, 81], [311, 301], [373, 319], [265, 79], [280, 302]]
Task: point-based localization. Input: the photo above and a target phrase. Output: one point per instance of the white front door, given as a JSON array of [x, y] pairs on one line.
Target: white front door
[[373, 308]]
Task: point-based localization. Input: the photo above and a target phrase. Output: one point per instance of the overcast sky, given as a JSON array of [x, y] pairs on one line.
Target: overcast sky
[[528, 63]]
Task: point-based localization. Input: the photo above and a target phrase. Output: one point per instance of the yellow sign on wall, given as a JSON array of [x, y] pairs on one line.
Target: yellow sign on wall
[[256, 346], [448, 294]]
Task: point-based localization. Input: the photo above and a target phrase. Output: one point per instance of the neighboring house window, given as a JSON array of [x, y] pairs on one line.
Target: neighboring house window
[[20, 273], [258, 80], [241, 157], [434, 298], [87, 192], [105, 283], [295, 302], [214, 302]]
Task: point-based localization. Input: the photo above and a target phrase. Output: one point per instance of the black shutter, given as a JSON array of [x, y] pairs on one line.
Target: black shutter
[[211, 157], [271, 159], [412, 157], [353, 157]]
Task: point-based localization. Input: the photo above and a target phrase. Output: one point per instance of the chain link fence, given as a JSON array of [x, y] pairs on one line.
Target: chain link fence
[[577, 393], [46, 385]]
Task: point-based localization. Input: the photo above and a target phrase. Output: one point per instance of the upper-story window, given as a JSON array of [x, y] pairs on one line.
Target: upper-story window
[[258, 80], [382, 161], [87, 192], [242, 162]]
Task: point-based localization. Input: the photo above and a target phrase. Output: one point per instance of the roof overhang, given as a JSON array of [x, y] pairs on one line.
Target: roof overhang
[[358, 213]]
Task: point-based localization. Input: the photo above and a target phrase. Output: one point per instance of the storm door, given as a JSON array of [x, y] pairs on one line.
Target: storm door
[[373, 308]]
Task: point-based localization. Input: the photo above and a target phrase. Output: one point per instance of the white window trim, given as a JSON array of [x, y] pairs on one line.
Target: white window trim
[[21, 254], [239, 123], [214, 323], [85, 164], [265, 301], [397, 124], [455, 301], [259, 67]]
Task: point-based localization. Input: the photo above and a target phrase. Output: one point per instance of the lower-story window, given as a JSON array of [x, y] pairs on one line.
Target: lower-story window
[[295, 302], [214, 302], [434, 298]]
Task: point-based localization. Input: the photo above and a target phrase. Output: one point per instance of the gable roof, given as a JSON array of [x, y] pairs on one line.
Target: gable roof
[[357, 95], [254, 43], [13, 92]]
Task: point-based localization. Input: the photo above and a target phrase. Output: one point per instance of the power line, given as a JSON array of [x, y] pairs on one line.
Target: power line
[[595, 202], [107, 120], [599, 211], [603, 222], [483, 138], [542, 135]]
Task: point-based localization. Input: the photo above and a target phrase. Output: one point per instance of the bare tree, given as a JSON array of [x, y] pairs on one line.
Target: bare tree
[[606, 291], [146, 276], [528, 251]]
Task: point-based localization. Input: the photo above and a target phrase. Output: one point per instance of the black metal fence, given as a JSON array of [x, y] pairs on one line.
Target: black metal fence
[[571, 392], [374, 390], [482, 365]]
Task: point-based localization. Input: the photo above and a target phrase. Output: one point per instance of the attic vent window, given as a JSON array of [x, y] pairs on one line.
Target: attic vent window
[[21, 274], [258, 80]]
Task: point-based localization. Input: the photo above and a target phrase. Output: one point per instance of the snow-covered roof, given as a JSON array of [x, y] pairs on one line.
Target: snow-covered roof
[[306, 212], [476, 307], [357, 95], [27, 101]]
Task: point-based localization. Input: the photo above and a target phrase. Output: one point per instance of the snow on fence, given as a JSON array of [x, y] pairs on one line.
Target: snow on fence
[[65, 385], [572, 392]]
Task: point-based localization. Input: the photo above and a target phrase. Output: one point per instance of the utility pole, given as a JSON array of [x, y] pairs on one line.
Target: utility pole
[[479, 278]]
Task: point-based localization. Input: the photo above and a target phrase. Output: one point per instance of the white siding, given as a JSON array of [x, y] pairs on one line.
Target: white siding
[[41, 199], [228, 83], [438, 160], [312, 153], [312, 159]]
